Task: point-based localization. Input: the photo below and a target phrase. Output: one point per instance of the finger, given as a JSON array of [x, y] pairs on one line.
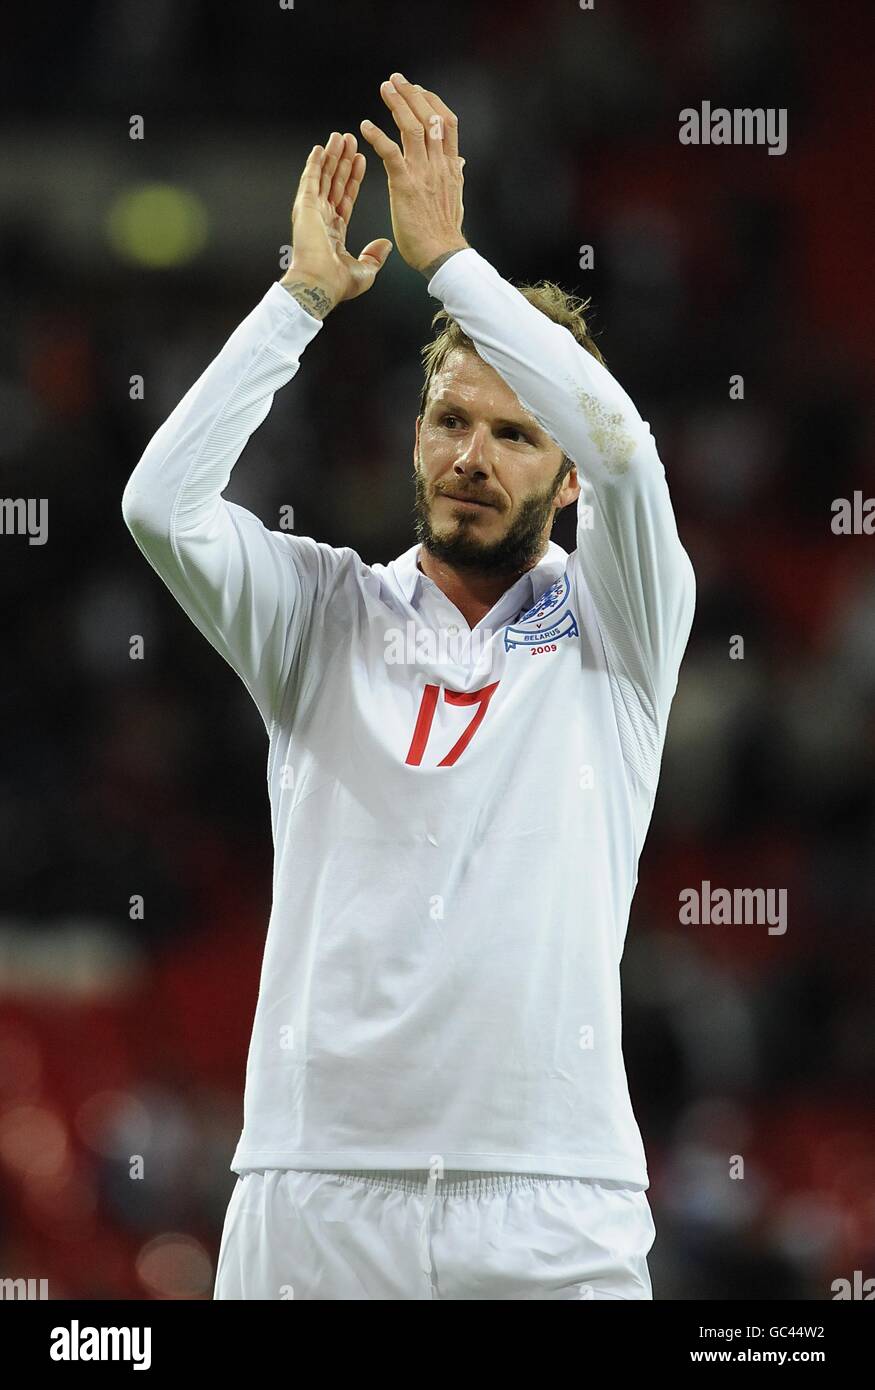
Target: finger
[[450, 120], [422, 110], [388, 151], [342, 172], [354, 183], [329, 164], [308, 186], [410, 126]]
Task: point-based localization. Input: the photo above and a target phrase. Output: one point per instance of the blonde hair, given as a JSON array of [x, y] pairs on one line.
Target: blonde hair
[[565, 309]]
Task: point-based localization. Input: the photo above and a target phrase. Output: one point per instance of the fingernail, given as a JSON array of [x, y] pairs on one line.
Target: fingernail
[[400, 76], [390, 87]]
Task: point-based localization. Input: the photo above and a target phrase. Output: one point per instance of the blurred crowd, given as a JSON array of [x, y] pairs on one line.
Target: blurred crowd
[[123, 1030]]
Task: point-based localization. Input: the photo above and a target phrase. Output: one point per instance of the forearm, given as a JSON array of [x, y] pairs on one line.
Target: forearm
[[187, 463], [242, 585], [628, 549], [570, 393]]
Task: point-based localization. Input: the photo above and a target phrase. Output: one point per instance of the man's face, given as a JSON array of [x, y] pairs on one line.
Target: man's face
[[485, 472]]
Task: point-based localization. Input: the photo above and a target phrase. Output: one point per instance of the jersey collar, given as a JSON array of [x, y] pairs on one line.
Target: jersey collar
[[407, 576]]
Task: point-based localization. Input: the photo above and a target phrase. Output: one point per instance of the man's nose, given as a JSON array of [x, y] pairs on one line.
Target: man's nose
[[474, 458]]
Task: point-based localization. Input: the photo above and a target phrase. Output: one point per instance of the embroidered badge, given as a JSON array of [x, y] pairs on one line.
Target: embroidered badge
[[544, 621]]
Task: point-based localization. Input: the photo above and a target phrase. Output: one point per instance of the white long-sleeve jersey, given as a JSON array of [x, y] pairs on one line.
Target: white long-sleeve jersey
[[457, 824]]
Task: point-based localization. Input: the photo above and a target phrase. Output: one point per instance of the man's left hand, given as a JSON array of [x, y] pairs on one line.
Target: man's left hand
[[425, 177]]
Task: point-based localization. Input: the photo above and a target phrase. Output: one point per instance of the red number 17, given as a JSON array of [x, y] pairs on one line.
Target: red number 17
[[427, 706]]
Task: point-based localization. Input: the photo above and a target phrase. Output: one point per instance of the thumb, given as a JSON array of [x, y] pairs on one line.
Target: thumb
[[376, 253], [364, 271]]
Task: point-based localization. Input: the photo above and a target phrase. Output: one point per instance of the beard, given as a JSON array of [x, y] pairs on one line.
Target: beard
[[519, 549]]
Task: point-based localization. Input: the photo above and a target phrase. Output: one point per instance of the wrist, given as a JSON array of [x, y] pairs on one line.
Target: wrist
[[437, 258], [310, 293]]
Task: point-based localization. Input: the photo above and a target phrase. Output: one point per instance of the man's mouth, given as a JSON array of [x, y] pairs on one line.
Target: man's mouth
[[465, 501]]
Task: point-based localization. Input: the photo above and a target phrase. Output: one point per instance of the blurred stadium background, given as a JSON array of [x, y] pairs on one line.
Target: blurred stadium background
[[120, 257]]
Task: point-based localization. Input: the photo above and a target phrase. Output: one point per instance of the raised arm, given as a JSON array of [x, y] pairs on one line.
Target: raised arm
[[628, 549], [250, 590], [628, 555]]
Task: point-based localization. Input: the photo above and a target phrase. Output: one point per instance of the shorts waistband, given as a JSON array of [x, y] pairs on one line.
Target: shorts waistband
[[453, 1181]]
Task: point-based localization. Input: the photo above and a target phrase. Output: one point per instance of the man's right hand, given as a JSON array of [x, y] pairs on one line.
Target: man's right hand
[[323, 273]]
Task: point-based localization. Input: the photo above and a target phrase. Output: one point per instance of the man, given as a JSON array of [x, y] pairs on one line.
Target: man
[[464, 752]]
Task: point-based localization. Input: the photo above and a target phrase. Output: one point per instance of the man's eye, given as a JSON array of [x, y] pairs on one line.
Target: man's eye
[[508, 430]]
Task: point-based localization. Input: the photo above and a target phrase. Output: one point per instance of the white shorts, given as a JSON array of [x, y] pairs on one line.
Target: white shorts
[[363, 1234]]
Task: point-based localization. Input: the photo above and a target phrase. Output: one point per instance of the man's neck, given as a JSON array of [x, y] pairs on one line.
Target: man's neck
[[472, 593]]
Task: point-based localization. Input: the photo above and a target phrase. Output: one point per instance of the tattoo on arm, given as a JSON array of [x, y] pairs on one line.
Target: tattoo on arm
[[310, 297], [429, 270]]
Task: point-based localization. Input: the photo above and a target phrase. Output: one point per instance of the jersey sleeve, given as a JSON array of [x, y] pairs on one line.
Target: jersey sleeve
[[249, 590], [628, 555]]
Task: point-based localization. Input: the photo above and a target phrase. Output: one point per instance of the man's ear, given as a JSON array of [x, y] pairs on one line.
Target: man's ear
[[416, 441], [569, 491]]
